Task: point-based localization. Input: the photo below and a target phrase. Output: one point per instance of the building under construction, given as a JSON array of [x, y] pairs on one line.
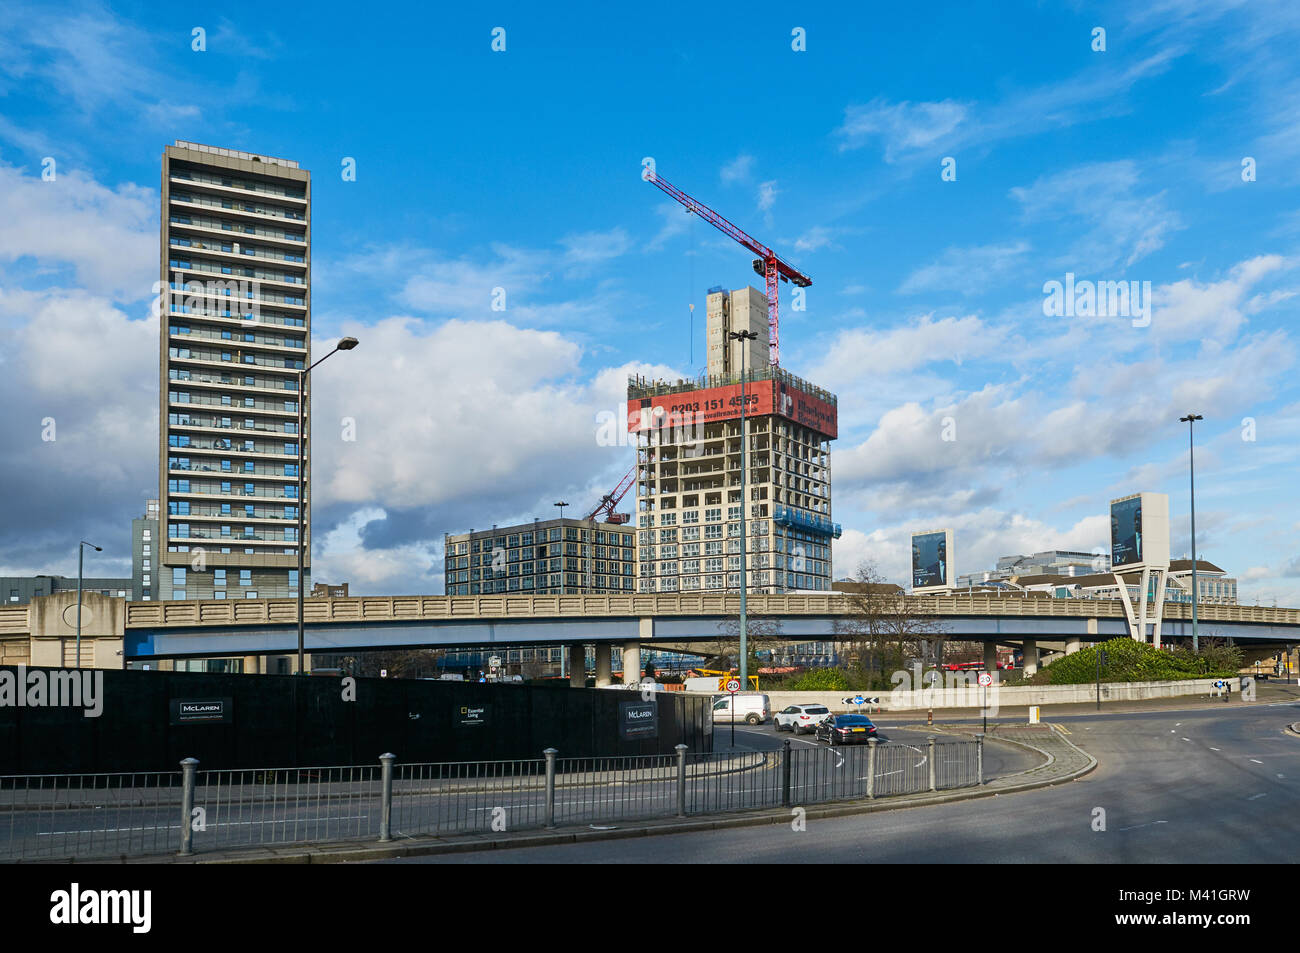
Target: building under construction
[[688, 481]]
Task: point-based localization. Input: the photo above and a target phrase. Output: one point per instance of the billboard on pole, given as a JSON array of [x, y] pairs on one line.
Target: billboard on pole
[[932, 560], [1139, 531]]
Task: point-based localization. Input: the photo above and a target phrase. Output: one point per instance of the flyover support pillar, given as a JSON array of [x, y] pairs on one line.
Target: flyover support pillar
[[577, 665], [632, 663], [1031, 656], [252, 665], [1071, 646], [990, 656], [603, 666]]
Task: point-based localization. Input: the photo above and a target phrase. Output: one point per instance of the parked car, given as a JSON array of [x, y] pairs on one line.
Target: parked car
[[845, 729], [800, 718], [751, 707]]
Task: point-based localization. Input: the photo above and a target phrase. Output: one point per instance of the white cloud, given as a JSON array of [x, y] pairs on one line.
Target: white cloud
[[738, 169], [1124, 226], [107, 237], [904, 127], [767, 193], [967, 270]]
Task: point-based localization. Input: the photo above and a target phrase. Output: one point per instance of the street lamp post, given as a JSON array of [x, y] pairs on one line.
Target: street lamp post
[[560, 506], [81, 559], [742, 337], [1190, 420], [346, 344]]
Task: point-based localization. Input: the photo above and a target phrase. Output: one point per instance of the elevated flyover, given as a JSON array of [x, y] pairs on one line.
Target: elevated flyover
[[358, 623], [40, 633]]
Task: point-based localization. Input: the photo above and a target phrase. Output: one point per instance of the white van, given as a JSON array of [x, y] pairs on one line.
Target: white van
[[752, 708]]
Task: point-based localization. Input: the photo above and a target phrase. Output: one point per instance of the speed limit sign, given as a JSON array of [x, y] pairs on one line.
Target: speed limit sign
[[733, 685], [986, 679]]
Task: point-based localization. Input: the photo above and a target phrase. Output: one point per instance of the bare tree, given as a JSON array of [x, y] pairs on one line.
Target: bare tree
[[761, 633], [883, 630]]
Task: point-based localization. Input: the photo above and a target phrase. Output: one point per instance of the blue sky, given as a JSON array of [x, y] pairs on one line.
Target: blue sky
[[521, 170]]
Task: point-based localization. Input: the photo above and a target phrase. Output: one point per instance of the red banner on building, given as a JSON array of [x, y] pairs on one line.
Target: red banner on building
[[691, 408]]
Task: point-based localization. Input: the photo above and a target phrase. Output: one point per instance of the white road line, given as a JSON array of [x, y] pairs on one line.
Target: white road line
[[1256, 760], [1147, 824], [1256, 797], [1212, 748], [1187, 739]]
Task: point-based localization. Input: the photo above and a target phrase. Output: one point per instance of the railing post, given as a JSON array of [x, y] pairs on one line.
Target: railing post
[[386, 798], [979, 758], [785, 773], [930, 741], [188, 768], [681, 780], [871, 767], [550, 754]]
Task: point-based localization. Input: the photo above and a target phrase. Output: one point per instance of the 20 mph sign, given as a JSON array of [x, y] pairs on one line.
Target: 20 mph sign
[[986, 679], [733, 685]]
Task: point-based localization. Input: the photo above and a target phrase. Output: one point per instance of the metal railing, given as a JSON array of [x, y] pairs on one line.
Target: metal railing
[[86, 816]]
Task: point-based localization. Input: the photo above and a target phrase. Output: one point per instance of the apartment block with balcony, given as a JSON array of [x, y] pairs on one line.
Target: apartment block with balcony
[[235, 336], [544, 557]]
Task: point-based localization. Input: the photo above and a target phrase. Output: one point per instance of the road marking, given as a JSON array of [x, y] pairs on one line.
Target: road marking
[[1212, 748], [1147, 824], [1256, 797], [1178, 724], [1256, 760], [1187, 739]]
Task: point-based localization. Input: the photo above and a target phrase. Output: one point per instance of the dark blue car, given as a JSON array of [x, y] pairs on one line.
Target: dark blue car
[[846, 729]]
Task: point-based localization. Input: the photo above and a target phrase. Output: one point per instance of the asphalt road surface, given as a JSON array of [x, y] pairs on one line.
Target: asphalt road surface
[[1201, 786]]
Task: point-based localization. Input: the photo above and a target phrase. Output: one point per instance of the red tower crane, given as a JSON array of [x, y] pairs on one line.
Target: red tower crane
[[611, 500], [768, 264]]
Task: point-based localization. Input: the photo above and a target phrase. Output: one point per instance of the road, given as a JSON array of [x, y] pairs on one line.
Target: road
[[1202, 786]]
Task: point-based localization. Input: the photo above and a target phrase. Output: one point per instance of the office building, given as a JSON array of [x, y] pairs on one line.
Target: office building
[[544, 557], [144, 555], [235, 336], [20, 590], [1056, 562], [323, 590], [688, 437]]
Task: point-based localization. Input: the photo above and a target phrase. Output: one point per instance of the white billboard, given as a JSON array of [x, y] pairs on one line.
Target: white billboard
[[1139, 532]]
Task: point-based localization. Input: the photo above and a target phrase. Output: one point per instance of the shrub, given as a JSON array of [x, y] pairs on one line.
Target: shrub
[[822, 680], [1130, 661]]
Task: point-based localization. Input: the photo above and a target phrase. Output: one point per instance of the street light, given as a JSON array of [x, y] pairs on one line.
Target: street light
[[561, 505], [81, 559], [742, 337], [1190, 420], [346, 344]]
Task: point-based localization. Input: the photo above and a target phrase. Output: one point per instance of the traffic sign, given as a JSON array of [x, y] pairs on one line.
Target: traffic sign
[[858, 700], [986, 679], [733, 685]]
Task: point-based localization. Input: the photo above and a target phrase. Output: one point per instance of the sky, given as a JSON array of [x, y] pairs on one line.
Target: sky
[[933, 170]]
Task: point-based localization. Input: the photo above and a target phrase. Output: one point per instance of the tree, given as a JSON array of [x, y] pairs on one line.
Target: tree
[[883, 630], [762, 633]]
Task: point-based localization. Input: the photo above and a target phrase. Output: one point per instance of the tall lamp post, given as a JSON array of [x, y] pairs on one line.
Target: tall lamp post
[[81, 559], [742, 337], [346, 344], [560, 506], [1190, 420]]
